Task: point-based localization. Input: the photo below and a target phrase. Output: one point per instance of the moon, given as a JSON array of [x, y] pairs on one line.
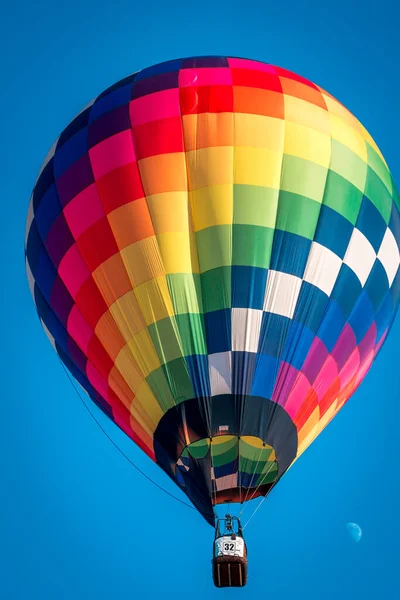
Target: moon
[[355, 531]]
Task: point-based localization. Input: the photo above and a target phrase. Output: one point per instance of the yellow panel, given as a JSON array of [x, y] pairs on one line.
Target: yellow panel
[[143, 261], [143, 352], [154, 300], [317, 429], [210, 166], [259, 131], [128, 368], [205, 130], [176, 253], [127, 315], [251, 440], [348, 136], [258, 166], [307, 114], [308, 430], [163, 173], [307, 143], [169, 212], [212, 205], [146, 398]]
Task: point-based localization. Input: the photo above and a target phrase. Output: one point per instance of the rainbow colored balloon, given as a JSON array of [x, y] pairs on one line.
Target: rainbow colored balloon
[[213, 251]]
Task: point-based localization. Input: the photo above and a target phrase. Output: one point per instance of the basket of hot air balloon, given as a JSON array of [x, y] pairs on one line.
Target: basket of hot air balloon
[[213, 250]]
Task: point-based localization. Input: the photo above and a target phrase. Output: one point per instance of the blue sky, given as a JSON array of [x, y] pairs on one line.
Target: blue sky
[[76, 521]]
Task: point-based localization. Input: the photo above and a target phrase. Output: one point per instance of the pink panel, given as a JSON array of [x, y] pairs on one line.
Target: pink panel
[[365, 366], [325, 377], [84, 210], [297, 395], [73, 271], [188, 77], [381, 341], [112, 153], [78, 329], [152, 107], [242, 63], [97, 381], [284, 382], [349, 369]]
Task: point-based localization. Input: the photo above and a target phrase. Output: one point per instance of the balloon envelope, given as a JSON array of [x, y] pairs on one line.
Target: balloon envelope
[[213, 250]]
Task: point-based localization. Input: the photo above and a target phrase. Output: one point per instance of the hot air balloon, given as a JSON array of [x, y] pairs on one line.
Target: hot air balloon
[[213, 250]]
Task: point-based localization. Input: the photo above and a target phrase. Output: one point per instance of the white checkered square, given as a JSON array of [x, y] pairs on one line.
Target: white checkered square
[[220, 371], [389, 255], [322, 268], [246, 325], [281, 293], [360, 256]]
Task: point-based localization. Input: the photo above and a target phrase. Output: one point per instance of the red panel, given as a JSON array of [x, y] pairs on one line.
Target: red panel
[[90, 302], [97, 244], [158, 137], [99, 358], [330, 396], [307, 408], [290, 75], [206, 98], [257, 79], [120, 186]]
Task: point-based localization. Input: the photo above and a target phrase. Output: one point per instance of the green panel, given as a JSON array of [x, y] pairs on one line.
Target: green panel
[[298, 214], [396, 196], [177, 375], [226, 457], [267, 477], [199, 449], [185, 290], [192, 333], [378, 194], [252, 245], [161, 390], [303, 177], [342, 196], [165, 337], [377, 164], [347, 164], [214, 247], [216, 289], [255, 205]]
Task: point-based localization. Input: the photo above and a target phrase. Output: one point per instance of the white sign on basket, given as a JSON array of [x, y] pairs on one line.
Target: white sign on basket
[[226, 546], [223, 428]]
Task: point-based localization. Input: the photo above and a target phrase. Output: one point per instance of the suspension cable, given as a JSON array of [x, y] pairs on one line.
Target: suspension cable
[[130, 461]]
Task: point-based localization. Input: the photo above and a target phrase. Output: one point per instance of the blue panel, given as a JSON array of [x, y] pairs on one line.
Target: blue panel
[[384, 316], [198, 62], [45, 275], [157, 83], [311, 306], [377, 285], [41, 305], [112, 100], [347, 289], [333, 231], [248, 287], [71, 151], [34, 246], [361, 317], [264, 376], [198, 372], [243, 365], [394, 223], [395, 290], [371, 223], [273, 334], [289, 253], [227, 469], [127, 81], [218, 326], [56, 329], [76, 354], [298, 344], [80, 122], [48, 211], [45, 180], [165, 67], [109, 124], [332, 325]]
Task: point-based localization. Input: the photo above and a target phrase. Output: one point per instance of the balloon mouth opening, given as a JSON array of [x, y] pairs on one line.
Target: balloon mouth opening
[[236, 468]]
